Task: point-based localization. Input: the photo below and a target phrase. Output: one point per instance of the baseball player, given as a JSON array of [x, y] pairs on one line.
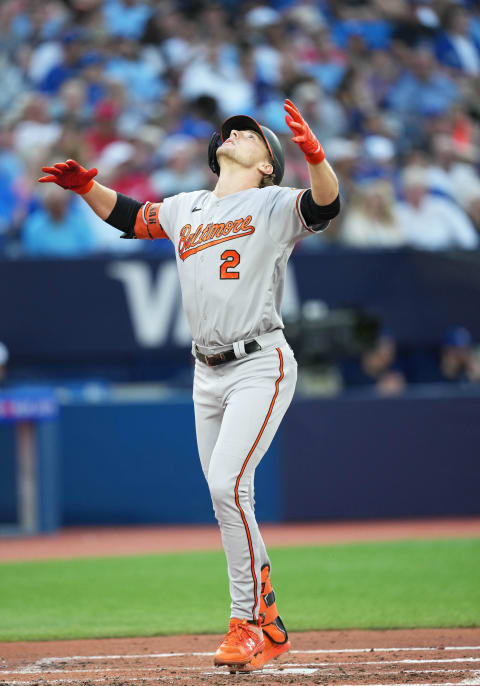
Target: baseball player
[[232, 246]]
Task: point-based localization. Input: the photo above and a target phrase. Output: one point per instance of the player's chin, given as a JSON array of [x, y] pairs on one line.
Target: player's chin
[[225, 151]]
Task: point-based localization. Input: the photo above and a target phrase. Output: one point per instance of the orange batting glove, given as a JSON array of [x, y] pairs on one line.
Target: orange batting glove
[[303, 135], [70, 175]]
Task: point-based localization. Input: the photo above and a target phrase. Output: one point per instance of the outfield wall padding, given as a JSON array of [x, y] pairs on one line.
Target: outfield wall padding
[[132, 463], [360, 457], [355, 456], [339, 458]]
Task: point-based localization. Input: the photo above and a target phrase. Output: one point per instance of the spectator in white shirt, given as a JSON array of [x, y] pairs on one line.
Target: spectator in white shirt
[[214, 74], [471, 204], [452, 170], [431, 222], [372, 219]]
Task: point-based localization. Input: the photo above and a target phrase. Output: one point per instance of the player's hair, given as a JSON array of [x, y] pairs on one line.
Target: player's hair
[[267, 180]]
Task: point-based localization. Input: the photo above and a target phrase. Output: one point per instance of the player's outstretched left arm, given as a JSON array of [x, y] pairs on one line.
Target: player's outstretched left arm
[[71, 176], [124, 213], [324, 183]]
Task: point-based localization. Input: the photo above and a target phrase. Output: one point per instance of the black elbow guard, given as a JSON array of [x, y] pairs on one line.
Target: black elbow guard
[[124, 215], [316, 215]]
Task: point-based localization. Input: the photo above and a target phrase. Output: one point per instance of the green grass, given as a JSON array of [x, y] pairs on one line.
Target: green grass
[[368, 585]]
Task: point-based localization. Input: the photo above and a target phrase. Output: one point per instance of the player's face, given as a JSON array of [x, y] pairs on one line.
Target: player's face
[[245, 147]]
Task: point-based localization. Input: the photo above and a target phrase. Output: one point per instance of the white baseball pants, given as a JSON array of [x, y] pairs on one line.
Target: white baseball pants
[[238, 408]]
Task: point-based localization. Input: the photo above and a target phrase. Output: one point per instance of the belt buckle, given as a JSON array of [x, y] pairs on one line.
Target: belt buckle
[[210, 360], [214, 358]]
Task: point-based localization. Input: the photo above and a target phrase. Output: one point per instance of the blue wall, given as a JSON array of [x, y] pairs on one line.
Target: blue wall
[[8, 482], [340, 458], [346, 457], [47, 467], [132, 463], [374, 457]]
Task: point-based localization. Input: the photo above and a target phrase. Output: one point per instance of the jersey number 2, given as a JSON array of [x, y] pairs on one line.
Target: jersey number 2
[[231, 259]]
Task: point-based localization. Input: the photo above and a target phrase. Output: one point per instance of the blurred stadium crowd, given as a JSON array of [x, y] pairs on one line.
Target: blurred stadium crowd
[[136, 87]]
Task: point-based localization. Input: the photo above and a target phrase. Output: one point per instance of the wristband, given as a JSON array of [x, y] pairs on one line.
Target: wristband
[[315, 157], [81, 190]]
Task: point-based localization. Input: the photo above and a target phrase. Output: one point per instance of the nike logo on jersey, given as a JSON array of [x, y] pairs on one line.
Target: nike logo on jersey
[[196, 209], [212, 234]]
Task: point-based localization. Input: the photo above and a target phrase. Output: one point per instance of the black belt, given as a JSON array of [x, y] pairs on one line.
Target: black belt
[[226, 356]]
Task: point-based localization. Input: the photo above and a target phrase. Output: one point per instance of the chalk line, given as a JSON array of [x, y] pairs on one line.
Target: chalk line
[[318, 651]]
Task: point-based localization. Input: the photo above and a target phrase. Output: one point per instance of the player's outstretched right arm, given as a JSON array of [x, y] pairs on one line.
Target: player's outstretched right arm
[[72, 176], [323, 180]]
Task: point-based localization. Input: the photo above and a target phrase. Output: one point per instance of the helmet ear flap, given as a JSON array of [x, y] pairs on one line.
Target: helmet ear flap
[[214, 144]]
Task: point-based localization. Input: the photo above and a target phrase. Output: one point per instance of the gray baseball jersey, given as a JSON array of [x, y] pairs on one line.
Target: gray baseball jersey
[[231, 255]]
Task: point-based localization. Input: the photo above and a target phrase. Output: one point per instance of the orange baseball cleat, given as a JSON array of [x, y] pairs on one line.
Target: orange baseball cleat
[[274, 632], [241, 643]]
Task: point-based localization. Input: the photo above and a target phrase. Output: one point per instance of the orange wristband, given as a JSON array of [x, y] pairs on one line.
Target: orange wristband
[[81, 190]]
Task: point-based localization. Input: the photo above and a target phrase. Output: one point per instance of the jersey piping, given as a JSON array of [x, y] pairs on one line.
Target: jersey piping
[[299, 212]]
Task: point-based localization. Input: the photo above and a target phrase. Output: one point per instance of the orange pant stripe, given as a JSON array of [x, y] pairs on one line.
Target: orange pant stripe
[[237, 501]]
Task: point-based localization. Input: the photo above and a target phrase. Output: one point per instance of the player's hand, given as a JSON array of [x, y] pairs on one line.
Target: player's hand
[[303, 135], [70, 175]]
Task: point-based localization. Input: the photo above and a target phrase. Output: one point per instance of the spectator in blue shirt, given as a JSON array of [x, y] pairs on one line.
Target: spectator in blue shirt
[[8, 202], [141, 80], [459, 362], [69, 66], [457, 46], [422, 90], [58, 229], [126, 18]]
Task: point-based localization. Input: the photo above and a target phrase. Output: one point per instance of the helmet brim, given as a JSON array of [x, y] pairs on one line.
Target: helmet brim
[[243, 122]]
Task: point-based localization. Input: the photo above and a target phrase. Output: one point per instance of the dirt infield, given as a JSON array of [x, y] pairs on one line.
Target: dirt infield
[[342, 658], [134, 540], [426, 657]]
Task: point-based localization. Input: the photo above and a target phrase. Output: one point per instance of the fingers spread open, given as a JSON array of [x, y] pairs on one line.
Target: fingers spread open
[[295, 128], [297, 119], [51, 170], [72, 164], [47, 179], [61, 166], [294, 125]]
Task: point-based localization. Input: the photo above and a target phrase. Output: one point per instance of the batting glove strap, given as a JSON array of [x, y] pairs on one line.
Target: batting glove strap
[[81, 190], [315, 157]]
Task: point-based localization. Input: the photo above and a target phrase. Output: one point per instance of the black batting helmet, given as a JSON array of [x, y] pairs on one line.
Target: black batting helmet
[[241, 122]]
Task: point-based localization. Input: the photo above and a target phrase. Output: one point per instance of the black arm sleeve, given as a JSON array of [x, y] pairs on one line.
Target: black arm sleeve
[[124, 215], [318, 216]]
